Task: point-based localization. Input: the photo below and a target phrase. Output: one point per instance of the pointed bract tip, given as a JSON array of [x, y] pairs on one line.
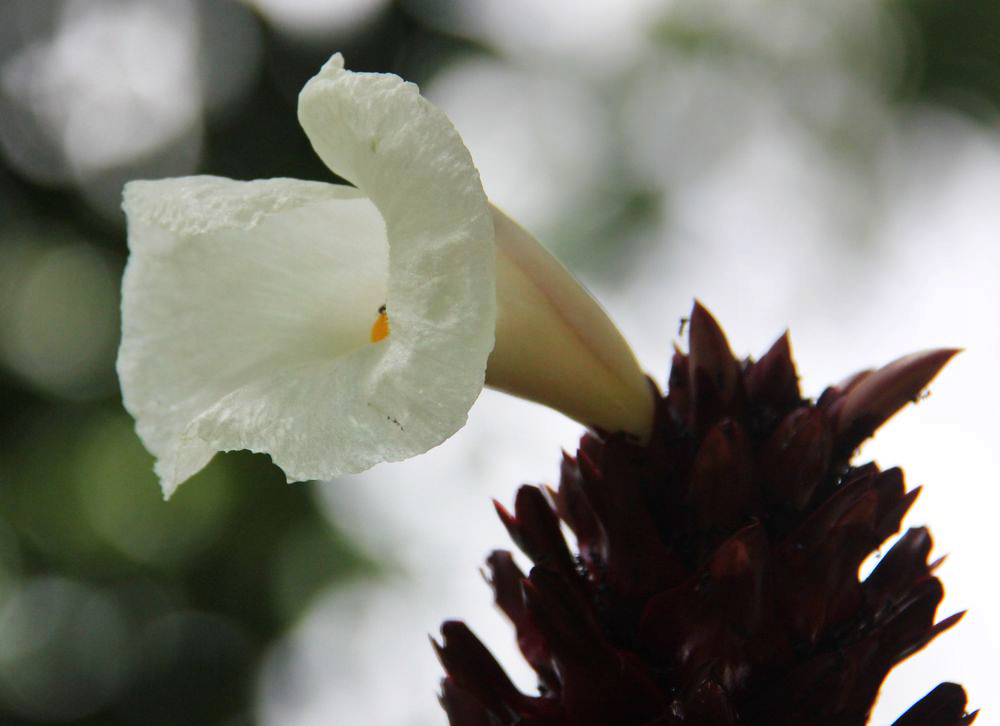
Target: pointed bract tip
[[953, 619], [773, 380], [438, 649], [873, 399], [944, 706], [508, 519], [705, 335], [711, 354]]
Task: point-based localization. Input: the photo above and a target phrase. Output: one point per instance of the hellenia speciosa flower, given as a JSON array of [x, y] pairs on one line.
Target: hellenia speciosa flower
[[335, 327]]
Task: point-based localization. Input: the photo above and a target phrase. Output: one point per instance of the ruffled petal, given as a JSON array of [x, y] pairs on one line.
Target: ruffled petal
[[248, 306], [554, 343], [242, 289], [377, 132]]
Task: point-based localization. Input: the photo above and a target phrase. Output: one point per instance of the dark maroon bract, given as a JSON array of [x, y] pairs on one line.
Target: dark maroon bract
[[716, 581]]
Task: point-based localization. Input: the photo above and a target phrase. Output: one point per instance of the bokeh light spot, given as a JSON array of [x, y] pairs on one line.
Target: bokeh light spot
[[543, 151], [121, 499], [59, 319], [115, 81], [318, 19], [66, 650]]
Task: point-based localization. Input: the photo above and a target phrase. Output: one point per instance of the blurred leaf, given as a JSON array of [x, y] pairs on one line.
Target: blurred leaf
[[953, 53]]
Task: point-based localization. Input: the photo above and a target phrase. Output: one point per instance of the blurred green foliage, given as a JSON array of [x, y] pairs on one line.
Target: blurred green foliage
[[953, 53], [191, 591], [116, 607]]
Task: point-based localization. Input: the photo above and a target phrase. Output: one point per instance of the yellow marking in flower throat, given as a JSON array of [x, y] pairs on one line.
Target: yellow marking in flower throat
[[380, 328]]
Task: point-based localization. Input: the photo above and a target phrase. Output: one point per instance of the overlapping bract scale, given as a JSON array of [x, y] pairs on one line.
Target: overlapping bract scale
[[716, 579]]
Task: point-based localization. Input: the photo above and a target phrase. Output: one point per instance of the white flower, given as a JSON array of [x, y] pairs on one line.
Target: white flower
[[251, 310]]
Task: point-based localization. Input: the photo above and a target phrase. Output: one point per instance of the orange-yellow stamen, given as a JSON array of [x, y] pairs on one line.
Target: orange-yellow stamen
[[380, 328]]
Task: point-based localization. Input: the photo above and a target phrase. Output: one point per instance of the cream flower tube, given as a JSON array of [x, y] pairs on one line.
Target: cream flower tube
[[336, 327], [554, 343]]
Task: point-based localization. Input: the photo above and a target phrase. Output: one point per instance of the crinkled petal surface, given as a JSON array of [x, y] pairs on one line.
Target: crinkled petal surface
[[247, 306]]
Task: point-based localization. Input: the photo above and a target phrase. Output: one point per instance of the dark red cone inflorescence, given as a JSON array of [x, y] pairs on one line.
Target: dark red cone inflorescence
[[716, 579]]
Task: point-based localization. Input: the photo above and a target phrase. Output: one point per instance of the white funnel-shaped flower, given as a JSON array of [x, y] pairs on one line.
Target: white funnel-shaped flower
[[251, 310]]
